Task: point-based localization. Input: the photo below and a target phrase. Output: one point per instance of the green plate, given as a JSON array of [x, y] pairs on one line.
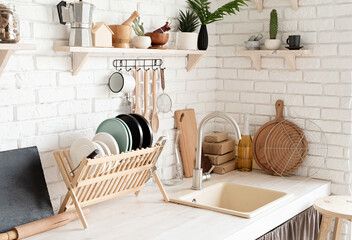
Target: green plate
[[118, 130], [128, 132]]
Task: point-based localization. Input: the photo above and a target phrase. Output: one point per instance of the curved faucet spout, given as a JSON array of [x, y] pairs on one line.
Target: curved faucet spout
[[198, 171]]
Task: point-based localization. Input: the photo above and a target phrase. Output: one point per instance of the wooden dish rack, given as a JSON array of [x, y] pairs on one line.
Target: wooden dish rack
[[89, 185]]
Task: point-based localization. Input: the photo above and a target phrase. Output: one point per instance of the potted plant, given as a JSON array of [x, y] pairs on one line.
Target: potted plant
[[202, 9], [140, 41], [273, 43], [188, 23]]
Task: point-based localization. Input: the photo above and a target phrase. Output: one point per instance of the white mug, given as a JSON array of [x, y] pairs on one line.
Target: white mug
[[123, 83]]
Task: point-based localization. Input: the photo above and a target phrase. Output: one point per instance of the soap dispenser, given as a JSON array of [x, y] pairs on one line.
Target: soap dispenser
[[245, 155]]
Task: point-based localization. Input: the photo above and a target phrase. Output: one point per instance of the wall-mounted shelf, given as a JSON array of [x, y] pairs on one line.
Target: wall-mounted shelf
[[259, 4], [289, 55], [7, 49], [81, 54]]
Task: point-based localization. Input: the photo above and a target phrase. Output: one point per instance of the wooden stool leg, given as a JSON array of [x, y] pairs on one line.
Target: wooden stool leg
[[324, 227], [337, 228]]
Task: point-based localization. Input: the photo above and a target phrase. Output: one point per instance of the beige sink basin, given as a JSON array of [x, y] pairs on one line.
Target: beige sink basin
[[234, 199]]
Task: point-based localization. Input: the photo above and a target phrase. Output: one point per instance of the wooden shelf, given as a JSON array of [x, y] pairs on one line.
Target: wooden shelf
[[259, 4], [289, 55], [81, 54], [7, 49]]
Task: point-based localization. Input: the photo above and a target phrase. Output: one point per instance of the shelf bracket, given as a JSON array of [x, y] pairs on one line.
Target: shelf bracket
[[193, 60], [256, 61], [259, 4], [291, 60], [78, 60], [4, 58]]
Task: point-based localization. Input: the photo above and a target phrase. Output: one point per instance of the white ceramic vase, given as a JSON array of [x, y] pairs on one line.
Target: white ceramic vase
[[272, 44], [143, 42], [187, 40]]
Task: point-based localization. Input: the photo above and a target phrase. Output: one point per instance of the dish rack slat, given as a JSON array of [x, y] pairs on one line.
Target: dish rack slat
[[91, 183]]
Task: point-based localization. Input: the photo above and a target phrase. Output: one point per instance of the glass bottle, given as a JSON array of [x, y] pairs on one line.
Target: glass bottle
[[245, 155], [9, 24], [172, 167]]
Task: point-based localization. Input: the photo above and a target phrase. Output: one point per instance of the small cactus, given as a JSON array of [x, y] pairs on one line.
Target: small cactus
[[138, 27], [273, 24]]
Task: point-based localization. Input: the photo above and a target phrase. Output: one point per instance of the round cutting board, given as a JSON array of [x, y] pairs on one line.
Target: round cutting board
[[279, 146]]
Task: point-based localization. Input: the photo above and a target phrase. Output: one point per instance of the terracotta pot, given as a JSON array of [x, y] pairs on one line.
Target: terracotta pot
[[158, 39], [122, 36]]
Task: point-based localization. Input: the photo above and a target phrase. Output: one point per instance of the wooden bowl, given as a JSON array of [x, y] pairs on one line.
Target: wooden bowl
[[122, 36], [158, 39]]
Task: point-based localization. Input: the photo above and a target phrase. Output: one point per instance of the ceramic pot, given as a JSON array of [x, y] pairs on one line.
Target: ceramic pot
[[273, 44], [203, 38], [252, 45], [186, 40], [158, 39], [143, 42], [122, 36]]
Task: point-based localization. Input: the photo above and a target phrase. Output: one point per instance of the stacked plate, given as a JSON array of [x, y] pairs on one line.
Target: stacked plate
[[104, 142], [131, 131]]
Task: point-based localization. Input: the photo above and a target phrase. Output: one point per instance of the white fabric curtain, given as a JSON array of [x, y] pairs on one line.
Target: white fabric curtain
[[304, 226]]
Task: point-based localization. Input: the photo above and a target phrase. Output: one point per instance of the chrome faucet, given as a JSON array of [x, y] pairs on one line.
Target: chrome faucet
[[198, 176]]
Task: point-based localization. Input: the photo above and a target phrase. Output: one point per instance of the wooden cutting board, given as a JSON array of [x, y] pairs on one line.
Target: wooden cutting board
[[279, 146], [186, 122]]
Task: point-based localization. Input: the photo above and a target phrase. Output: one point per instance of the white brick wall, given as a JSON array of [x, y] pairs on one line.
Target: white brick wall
[[42, 104]]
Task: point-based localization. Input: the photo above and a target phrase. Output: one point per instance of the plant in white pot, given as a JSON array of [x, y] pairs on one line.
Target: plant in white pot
[[140, 41], [188, 23], [273, 43]]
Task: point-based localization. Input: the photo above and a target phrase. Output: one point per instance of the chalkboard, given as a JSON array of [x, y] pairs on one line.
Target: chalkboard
[[24, 195]]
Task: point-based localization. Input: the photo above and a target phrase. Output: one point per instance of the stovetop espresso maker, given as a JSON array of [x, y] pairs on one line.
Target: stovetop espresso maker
[[80, 18]]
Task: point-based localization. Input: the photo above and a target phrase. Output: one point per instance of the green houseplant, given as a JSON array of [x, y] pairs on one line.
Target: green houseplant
[[140, 40], [273, 43], [188, 23], [202, 9]]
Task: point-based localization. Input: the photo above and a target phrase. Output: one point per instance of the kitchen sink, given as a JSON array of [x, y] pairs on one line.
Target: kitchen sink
[[234, 199]]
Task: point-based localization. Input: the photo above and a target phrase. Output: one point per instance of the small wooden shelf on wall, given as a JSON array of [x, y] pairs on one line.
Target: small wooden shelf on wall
[[81, 54], [289, 55], [7, 49], [259, 4]]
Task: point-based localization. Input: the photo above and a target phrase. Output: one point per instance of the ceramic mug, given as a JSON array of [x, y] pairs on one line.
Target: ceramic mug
[[123, 83]]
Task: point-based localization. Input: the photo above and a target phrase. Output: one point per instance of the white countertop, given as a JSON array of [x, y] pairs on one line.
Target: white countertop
[[149, 217]]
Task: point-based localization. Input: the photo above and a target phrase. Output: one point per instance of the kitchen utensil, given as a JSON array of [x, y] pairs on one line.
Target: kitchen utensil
[[294, 48], [24, 195], [109, 141], [164, 101], [288, 157], [155, 118], [136, 89], [106, 153], [147, 130], [129, 21], [122, 36], [186, 122], [80, 18], [80, 148], [294, 41], [118, 130], [172, 167], [119, 82], [146, 96], [135, 128], [40, 226], [158, 40], [101, 154]]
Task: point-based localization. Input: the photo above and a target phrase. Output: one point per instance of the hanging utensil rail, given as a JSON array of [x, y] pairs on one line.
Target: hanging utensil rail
[[129, 64]]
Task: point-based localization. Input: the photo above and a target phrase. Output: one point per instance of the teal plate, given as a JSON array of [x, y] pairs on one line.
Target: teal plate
[[129, 134], [118, 130]]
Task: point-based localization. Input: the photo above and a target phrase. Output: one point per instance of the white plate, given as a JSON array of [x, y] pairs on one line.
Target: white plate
[[80, 149], [101, 154], [107, 153], [110, 141]]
